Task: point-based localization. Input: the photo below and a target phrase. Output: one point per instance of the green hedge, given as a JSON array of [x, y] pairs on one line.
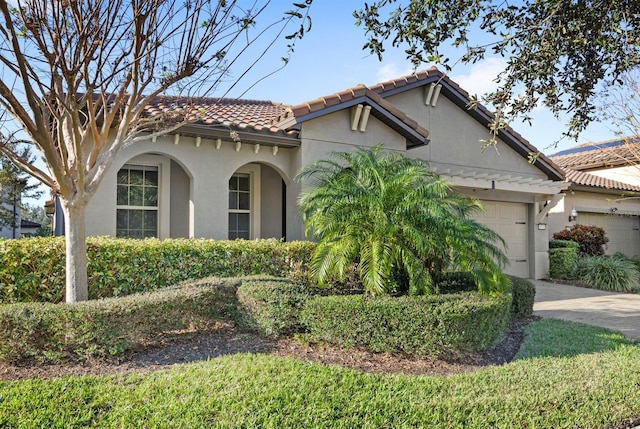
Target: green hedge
[[563, 255], [523, 294], [561, 244], [109, 327], [456, 281], [32, 270], [273, 305], [444, 326]]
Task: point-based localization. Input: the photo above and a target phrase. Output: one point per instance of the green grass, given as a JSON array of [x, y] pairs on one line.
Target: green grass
[[559, 338], [596, 386]]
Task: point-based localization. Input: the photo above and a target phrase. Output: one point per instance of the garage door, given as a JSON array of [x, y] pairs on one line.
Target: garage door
[[623, 231], [509, 220]]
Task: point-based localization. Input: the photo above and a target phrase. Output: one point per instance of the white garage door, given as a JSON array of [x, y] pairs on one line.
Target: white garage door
[[623, 231], [509, 220]]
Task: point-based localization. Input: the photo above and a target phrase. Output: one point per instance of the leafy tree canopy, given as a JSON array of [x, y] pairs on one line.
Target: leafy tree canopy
[[559, 52]]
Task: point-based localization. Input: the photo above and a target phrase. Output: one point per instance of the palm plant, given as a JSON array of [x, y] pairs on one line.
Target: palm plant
[[390, 214]]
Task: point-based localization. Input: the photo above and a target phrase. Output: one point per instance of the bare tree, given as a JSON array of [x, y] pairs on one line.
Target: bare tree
[[77, 76]]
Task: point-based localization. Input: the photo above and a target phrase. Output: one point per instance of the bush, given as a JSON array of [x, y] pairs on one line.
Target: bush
[[590, 238], [32, 270], [110, 327], [456, 281], [608, 273], [563, 244], [273, 305], [441, 326], [562, 258], [523, 294]]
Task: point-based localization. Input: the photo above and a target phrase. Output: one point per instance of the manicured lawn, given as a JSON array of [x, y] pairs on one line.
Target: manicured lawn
[[588, 379]]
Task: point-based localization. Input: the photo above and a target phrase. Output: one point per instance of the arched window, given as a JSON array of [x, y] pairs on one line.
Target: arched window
[[137, 201]]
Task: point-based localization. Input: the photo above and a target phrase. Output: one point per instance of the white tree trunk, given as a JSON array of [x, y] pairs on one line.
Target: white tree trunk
[[76, 252]]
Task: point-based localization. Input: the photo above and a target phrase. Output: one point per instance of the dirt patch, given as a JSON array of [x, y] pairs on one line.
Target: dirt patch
[[228, 340]]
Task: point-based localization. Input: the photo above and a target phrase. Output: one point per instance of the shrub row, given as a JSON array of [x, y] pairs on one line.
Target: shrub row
[[440, 325], [563, 255], [443, 326], [523, 291], [32, 270], [273, 305], [113, 326], [523, 294]]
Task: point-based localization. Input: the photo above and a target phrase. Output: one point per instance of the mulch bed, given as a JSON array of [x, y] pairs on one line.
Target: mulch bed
[[227, 340]]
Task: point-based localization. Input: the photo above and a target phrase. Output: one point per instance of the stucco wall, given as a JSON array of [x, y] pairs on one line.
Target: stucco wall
[[270, 204], [455, 139], [629, 174], [179, 202], [598, 203], [209, 170]]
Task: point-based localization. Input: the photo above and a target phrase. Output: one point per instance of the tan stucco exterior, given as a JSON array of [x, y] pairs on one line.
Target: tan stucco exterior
[[194, 177]]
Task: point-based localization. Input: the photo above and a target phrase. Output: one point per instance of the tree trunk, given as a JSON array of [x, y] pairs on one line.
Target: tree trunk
[[76, 252]]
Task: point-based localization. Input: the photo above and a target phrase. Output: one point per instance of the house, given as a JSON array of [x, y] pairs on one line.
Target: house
[[603, 190], [10, 214], [231, 175], [28, 228]]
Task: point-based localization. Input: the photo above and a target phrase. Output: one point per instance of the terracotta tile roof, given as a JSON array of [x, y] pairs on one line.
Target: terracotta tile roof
[[297, 113], [380, 91], [591, 156], [237, 113], [276, 118], [587, 179]]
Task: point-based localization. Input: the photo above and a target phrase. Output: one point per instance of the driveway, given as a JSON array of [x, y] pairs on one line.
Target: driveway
[[616, 311]]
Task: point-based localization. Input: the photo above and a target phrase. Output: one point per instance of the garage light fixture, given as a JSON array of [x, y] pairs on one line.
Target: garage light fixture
[[574, 215]]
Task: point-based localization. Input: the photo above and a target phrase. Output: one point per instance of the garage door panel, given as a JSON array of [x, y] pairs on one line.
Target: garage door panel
[[509, 220], [623, 231]]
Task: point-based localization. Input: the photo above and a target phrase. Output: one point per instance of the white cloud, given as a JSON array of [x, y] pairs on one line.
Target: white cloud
[[391, 71], [481, 77]]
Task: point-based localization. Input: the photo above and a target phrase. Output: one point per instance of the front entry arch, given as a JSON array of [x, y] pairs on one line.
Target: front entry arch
[[257, 203]]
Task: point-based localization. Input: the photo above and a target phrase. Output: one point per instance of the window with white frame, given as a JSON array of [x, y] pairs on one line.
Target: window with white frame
[[240, 206], [137, 201]]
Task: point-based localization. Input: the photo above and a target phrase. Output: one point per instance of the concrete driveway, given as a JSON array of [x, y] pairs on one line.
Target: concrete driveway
[[616, 311]]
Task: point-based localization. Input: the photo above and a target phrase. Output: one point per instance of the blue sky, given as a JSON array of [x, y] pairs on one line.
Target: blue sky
[[330, 58]]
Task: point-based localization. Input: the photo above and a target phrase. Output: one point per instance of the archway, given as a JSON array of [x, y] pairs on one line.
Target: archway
[[257, 203]]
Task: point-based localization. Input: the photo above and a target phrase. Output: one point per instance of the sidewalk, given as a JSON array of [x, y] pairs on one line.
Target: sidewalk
[[615, 311]]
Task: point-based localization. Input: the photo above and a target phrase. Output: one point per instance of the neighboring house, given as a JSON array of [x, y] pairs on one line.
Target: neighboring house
[[231, 175], [28, 228], [10, 211], [604, 190]]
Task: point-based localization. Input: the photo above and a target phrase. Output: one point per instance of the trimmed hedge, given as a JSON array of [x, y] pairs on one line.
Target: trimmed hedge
[[441, 326], [32, 270], [563, 256], [561, 244], [523, 294], [456, 281], [110, 327], [273, 305]]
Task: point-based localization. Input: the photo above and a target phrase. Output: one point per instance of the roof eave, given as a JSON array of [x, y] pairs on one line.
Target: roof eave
[[482, 115], [600, 189], [413, 138], [245, 136]]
